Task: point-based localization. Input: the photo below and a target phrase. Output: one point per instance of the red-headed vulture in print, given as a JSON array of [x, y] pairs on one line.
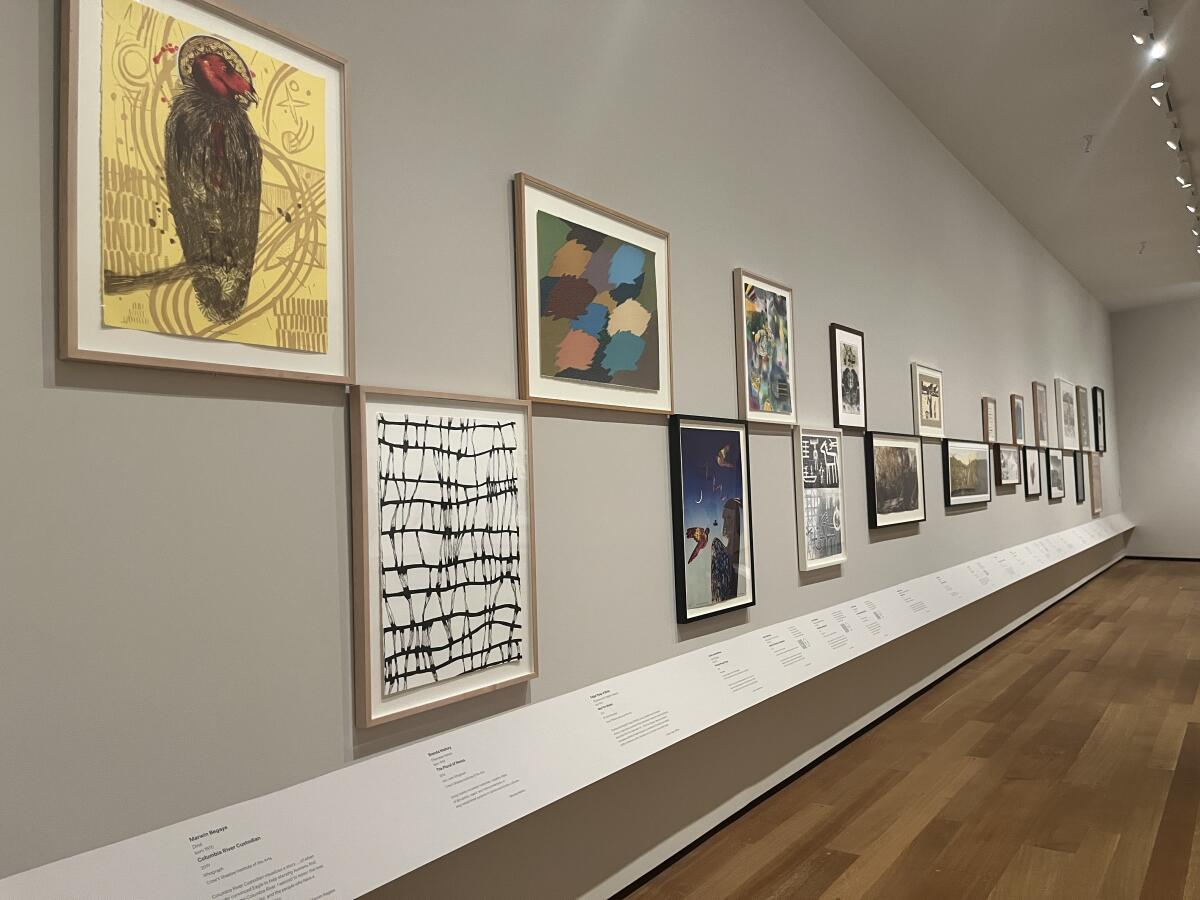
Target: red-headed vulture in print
[[213, 164]]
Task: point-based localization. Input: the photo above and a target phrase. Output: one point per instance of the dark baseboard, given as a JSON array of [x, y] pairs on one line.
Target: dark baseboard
[[1164, 558], [680, 854]]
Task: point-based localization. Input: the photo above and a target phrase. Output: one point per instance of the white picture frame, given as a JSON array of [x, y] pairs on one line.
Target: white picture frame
[[1068, 414], [765, 349], [929, 401], [820, 472]]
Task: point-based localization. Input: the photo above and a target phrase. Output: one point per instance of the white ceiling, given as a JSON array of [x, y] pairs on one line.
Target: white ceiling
[[1012, 87]]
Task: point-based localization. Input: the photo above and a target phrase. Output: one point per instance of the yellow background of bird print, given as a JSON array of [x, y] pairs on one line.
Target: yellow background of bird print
[[287, 306]]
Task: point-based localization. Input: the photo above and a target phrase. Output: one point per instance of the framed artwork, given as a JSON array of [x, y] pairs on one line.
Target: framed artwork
[[1056, 477], [966, 473], [1017, 405], [1097, 491], [594, 303], [1068, 415], [928, 401], [204, 194], [710, 499], [1041, 415], [820, 500], [1033, 471], [1008, 465], [1080, 476], [847, 353], [764, 344], [895, 478], [1100, 426], [990, 430], [443, 535], [1081, 414]]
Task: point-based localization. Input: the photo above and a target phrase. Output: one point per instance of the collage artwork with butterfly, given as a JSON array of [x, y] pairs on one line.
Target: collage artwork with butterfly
[[213, 186]]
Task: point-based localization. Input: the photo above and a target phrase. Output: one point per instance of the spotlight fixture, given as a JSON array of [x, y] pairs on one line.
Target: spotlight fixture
[[1158, 50], [1191, 206]]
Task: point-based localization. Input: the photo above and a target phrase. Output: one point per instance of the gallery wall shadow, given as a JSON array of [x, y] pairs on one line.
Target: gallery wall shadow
[[893, 532], [819, 576], [687, 631]]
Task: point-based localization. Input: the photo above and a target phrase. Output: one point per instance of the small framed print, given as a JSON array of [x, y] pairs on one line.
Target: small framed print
[[966, 474], [1017, 406], [594, 303], [1097, 490], [1056, 476], [764, 344], [711, 516], [1100, 426], [820, 499], [443, 536], [990, 435], [1041, 415], [928, 401], [1068, 415], [1080, 476], [1084, 420], [1007, 465], [895, 478], [1033, 471], [204, 194], [847, 354]]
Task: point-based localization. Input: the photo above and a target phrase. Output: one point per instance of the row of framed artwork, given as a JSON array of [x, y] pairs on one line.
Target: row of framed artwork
[[1082, 425]]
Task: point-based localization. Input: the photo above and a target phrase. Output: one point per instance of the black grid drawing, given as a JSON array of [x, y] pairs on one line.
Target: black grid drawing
[[451, 599]]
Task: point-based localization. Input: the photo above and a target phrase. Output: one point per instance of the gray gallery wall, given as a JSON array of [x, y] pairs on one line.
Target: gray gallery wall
[[174, 624], [1158, 378]]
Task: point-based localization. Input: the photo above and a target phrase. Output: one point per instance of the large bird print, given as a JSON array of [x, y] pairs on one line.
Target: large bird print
[[213, 167]]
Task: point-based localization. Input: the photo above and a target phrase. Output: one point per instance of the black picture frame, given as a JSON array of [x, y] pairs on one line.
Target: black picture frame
[[977, 499], [1099, 421], [835, 378], [675, 425], [873, 514], [1080, 476], [1035, 454], [1051, 453], [997, 469]]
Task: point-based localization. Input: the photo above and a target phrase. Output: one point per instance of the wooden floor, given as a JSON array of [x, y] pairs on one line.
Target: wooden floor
[[1064, 762]]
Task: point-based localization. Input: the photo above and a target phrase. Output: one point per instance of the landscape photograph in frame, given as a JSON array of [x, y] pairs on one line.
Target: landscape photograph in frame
[[1056, 476], [966, 472], [1007, 465], [895, 478]]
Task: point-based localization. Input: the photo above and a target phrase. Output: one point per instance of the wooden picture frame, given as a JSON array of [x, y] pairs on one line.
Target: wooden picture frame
[[1068, 414], [766, 389], [704, 463], [1080, 476], [1032, 459], [1099, 420], [819, 455], [960, 461], [1041, 415], [991, 427], [142, 295], [1055, 463], [628, 368], [395, 436], [848, 377], [890, 496], [1016, 405], [1007, 465], [929, 401]]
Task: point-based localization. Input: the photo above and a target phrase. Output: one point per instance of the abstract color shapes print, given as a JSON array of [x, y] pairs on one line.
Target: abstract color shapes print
[[598, 306], [712, 524], [213, 219], [764, 352]]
